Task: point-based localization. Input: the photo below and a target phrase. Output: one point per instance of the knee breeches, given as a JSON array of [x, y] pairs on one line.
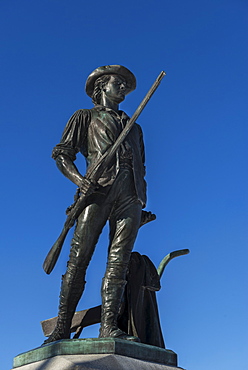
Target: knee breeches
[[121, 207]]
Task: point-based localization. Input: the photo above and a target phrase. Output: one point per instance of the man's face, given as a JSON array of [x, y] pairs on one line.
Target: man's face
[[115, 89]]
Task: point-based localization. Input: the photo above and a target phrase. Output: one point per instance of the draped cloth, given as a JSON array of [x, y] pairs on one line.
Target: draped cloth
[[139, 315]]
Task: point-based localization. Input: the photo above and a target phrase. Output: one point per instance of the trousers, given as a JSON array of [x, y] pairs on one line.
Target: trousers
[[120, 206]]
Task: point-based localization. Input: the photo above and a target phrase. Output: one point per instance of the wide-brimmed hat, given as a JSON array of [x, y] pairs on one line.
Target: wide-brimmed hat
[[111, 70]]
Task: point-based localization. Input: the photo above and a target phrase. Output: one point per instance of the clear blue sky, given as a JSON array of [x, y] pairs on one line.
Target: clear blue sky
[[195, 130]]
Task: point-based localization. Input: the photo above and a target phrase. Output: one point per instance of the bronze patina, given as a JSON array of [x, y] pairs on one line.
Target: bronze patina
[[115, 193]]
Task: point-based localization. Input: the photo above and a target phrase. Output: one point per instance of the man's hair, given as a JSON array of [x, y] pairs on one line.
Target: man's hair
[[98, 87]]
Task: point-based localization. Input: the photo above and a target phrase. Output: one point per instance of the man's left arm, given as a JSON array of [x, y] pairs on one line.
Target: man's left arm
[[145, 216], [142, 147]]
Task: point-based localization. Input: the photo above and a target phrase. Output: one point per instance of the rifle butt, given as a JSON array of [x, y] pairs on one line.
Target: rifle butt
[[54, 252]]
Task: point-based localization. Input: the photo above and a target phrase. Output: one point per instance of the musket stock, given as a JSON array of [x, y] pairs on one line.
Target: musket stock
[[93, 175], [54, 252]]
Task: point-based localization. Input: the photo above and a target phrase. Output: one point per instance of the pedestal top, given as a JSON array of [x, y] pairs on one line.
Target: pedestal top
[[95, 346]]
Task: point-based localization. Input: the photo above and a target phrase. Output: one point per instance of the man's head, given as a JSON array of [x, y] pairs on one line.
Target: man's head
[[113, 87], [114, 80]]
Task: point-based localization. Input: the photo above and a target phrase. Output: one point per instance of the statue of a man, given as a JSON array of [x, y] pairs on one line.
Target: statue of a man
[[119, 197]]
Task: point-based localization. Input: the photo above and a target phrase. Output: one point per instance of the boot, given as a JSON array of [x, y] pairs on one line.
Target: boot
[[71, 291], [112, 293]]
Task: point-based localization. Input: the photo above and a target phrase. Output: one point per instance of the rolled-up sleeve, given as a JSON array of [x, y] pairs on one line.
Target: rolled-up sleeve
[[74, 135]]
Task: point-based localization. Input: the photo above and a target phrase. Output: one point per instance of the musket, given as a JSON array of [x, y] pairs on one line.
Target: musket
[[93, 175]]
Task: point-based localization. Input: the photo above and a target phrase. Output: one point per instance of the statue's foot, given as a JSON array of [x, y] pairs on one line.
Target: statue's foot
[[57, 334], [117, 333]]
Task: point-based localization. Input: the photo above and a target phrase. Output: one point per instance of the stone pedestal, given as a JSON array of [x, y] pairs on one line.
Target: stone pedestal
[[102, 354]]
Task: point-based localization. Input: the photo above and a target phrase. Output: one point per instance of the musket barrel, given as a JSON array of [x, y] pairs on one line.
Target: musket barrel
[[93, 174], [148, 96]]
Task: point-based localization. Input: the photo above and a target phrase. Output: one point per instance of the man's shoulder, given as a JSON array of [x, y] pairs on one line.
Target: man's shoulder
[[81, 111], [80, 115], [126, 116], [86, 112]]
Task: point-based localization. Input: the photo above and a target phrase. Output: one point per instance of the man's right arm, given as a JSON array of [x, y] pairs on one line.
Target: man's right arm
[[68, 168], [72, 141]]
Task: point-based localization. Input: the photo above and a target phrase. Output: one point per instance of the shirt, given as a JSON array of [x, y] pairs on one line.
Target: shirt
[[92, 132]]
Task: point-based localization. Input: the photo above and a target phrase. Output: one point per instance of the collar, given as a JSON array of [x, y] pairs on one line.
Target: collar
[[120, 113]]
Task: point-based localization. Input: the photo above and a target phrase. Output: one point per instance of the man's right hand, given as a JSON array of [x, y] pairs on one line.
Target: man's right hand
[[87, 187]]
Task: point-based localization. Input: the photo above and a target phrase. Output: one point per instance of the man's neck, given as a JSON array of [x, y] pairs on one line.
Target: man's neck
[[109, 104]]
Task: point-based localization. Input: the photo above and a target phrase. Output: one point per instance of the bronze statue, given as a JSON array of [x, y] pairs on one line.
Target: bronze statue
[[118, 196]]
